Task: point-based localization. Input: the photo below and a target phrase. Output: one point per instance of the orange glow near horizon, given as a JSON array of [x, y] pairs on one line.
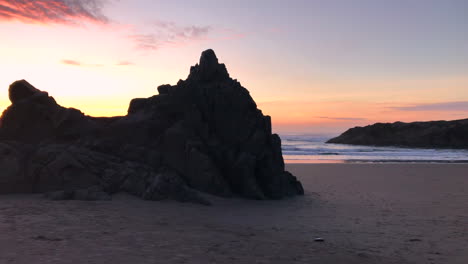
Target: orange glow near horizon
[[315, 105], [294, 114]]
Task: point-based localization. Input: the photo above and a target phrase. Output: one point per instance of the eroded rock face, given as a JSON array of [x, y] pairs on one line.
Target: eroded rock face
[[204, 134]]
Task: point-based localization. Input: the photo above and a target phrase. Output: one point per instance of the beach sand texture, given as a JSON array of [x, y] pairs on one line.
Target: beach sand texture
[[366, 213]]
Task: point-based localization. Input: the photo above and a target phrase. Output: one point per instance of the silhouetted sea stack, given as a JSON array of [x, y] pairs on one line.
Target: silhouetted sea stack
[[203, 134], [434, 134]]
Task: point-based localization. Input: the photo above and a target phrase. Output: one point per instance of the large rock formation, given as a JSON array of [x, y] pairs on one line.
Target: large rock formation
[[204, 134], [434, 134]]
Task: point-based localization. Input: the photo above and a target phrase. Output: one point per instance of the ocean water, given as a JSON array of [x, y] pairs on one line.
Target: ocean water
[[313, 149]]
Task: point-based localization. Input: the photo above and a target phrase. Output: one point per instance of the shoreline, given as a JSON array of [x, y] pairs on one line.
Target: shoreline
[[375, 161], [312, 149]]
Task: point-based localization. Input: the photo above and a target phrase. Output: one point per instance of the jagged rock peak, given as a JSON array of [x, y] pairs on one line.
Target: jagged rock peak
[[208, 57], [209, 69], [20, 90]]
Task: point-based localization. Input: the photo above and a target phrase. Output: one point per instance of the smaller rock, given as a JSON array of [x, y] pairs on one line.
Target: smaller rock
[[319, 239], [136, 105], [167, 184], [59, 195], [20, 90], [362, 255], [164, 89], [93, 193]]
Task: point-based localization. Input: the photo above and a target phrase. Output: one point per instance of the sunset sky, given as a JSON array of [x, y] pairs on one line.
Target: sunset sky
[[314, 66]]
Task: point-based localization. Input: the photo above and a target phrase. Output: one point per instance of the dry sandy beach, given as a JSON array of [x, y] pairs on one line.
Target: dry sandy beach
[[367, 213]]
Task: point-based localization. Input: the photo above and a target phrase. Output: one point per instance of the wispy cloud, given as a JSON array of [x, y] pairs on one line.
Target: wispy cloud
[[443, 106], [53, 11], [164, 33], [177, 31], [79, 63], [71, 62], [82, 64], [170, 34], [125, 63], [342, 118], [153, 36]]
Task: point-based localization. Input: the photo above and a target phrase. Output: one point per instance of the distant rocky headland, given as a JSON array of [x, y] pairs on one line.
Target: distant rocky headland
[[433, 134], [204, 134]]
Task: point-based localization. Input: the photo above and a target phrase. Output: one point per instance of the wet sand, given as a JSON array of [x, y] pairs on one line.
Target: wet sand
[[366, 213]]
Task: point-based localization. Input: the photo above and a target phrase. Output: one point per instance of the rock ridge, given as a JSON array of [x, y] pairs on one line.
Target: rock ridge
[[433, 134]]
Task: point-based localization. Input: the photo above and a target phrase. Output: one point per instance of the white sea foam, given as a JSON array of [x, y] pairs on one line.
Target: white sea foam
[[314, 149]]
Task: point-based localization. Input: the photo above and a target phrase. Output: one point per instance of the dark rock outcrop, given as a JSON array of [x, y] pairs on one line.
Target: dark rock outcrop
[[204, 134], [34, 116], [434, 134]]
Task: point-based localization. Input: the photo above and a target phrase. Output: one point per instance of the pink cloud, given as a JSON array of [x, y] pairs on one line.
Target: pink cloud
[[342, 118], [71, 62], [79, 63], [167, 33], [442, 106], [125, 63], [170, 34], [52, 11]]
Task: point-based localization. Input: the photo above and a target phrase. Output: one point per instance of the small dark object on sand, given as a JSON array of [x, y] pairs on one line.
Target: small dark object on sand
[[44, 238]]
